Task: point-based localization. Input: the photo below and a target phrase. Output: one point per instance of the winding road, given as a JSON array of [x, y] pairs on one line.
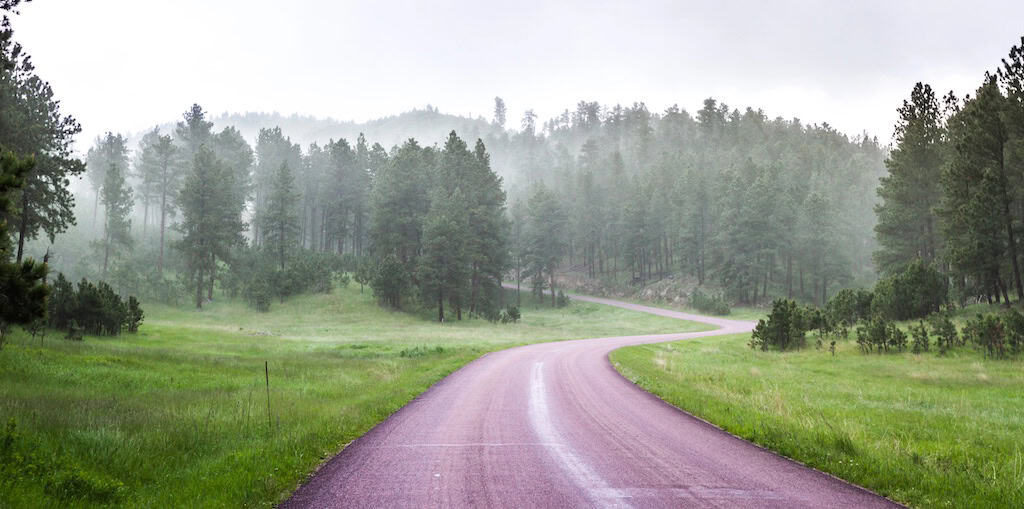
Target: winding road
[[554, 425]]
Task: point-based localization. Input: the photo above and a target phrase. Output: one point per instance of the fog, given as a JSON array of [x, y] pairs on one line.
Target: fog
[[120, 64]]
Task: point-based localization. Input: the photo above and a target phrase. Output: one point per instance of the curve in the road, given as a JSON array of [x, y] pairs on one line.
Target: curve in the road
[[554, 425]]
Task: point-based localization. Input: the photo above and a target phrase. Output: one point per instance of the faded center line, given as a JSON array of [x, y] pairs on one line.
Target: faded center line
[[578, 471]]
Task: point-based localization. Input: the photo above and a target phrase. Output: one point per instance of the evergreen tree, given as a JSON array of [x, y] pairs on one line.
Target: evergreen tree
[[979, 192], [31, 123], [110, 149], [444, 266], [210, 224], [23, 287], [116, 197], [399, 205], [545, 237], [907, 225], [500, 112], [278, 220]]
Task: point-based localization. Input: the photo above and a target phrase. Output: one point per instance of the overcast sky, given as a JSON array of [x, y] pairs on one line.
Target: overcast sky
[[125, 65]]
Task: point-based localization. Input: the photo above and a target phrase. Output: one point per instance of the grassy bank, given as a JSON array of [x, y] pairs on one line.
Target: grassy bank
[[924, 430], [177, 415]]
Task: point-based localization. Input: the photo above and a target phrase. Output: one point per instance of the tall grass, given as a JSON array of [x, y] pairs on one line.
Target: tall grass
[[924, 430], [176, 415]]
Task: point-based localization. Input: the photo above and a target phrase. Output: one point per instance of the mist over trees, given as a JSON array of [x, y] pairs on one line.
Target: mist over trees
[[753, 206]]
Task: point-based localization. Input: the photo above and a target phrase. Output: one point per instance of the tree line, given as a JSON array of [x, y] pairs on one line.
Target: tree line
[[953, 195], [750, 206]]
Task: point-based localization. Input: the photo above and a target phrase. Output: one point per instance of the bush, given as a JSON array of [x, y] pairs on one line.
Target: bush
[[880, 335], [713, 304], [850, 305], [91, 309], [785, 328], [914, 293], [390, 281], [921, 341], [1014, 322], [946, 332], [988, 332], [510, 315], [562, 300]]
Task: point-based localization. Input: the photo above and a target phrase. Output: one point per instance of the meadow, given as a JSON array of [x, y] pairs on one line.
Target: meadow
[[177, 414], [924, 430]]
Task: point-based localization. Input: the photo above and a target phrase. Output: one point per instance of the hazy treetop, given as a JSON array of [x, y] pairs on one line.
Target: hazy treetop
[[120, 64]]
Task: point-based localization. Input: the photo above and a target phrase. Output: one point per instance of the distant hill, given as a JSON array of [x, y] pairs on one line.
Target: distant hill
[[428, 126]]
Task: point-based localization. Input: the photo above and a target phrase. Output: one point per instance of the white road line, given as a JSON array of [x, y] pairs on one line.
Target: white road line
[[581, 474]]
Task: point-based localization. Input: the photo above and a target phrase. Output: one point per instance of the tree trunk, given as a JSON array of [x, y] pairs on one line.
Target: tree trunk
[[213, 276], [23, 226], [552, 273], [163, 219], [199, 286], [789, 275], [1008, 220], [440, 307], [106, 252]]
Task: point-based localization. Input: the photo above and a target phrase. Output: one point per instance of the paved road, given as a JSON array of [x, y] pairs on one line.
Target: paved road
[[554, 425]]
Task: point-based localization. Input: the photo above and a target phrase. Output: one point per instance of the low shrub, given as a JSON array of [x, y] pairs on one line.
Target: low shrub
[[850, 305], [1000, 337], [562, 300], [785, 328], [921, 340], [914, 293], [92, 308], [713, 304], [510, 315]]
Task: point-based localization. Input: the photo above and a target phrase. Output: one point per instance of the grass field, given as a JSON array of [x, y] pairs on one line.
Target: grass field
[[924, 430], [176, 415]]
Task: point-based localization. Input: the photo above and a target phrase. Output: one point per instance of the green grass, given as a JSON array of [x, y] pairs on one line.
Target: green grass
[[176, 415], [924, 430]]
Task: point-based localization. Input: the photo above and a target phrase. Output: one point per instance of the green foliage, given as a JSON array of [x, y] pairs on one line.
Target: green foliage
[[714, 304], [562, 300], [916, 292], [278, 220], [92, 309], [211, 222], [510, 315], [850, 305], [948, 338], [390, 282], [545, 238], [786, 328], [999, 336], [31, 123], [907, 227], [61, 478], [921, 343], [22, 283]]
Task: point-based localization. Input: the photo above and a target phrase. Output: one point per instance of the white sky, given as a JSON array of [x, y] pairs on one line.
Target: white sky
[[125, 65]]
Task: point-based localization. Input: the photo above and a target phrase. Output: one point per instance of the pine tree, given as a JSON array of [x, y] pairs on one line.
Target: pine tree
[[500, 112], [907, 226], [278, 219], [979, 191], [31, 123], [398, 205], [23, 287], [210, 224], [545, 237], [116, 197], [444, 266]]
